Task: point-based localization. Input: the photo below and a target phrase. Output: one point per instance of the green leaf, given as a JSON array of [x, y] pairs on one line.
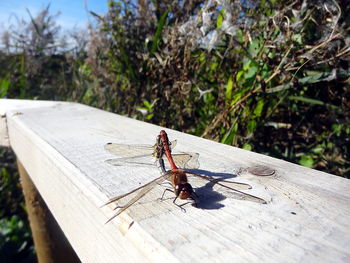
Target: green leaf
[[230, 134], [271, 54], [239, 36], [220, 19], [87, 95], [254, 48], [306, 160], [258, 109], [147, 104], [229, 85], [4, 87], [297, 38], [238, 95], [336, 128], [306, 100], [202, 57], [247, 147], [347, 130], [246, 63], [251, 72], [149, 116], [315, 77], [265, 71], [330, 145], [239, 75], [251, 126], [213, 66], [311, 79], [312, 101], [159, 30], [85, 69], [318, 149]]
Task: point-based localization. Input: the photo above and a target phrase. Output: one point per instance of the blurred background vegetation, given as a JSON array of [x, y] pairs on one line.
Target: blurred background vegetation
[[268, 76]]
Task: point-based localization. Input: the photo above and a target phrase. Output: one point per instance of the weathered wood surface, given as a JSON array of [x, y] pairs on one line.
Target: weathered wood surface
[[51, 245], [305, 219], [15, 106]]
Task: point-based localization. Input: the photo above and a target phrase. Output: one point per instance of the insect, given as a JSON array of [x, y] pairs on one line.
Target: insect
[[135, 154], [183, 189], [178, 179]]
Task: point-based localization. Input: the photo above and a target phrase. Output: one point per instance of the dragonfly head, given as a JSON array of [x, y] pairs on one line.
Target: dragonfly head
[[183, 191]]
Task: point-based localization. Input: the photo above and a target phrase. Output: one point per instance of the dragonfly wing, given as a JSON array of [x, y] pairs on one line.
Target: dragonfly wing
[[129, 150], [186, 160], [231, 188], [139, 193], [132, 161], [237, 194], [173, 144], [222, 182]]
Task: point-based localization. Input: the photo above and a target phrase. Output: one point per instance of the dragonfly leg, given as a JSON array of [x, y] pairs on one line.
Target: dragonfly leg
[[118, 206], [166, 182], [181, 206], [167, 189]]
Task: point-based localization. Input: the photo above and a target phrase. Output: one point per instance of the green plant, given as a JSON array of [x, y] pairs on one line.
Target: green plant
[[15, 241], [16, 244]]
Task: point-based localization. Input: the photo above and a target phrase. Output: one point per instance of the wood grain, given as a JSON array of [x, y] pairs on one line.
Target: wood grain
[[61, 146]]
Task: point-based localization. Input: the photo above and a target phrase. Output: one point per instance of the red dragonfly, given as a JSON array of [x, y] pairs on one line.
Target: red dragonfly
[[184, 190], [178, 179], [134, 154]]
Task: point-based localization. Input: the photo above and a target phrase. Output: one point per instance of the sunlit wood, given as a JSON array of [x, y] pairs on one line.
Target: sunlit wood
[[306, 218]]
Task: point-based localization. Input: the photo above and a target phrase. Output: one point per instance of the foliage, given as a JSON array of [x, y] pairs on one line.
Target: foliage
[[16, 244], [36, 63], [233, 71], [15, 241], [268, 76]]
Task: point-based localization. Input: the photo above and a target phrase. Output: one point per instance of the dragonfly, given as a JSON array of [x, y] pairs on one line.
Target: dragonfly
[[179, 181], [135, 154], [183, 189]]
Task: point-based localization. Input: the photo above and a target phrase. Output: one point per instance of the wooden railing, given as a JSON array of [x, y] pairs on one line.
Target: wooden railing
[[60, 146]]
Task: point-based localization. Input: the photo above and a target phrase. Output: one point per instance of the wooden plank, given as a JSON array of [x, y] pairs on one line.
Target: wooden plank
[[51, 245], [61, 147], [7, 105]]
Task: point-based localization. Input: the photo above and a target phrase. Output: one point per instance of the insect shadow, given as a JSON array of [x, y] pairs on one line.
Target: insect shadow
[[206, 197]]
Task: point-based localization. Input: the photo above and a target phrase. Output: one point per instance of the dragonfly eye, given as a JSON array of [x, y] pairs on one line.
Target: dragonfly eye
[[183, 191]]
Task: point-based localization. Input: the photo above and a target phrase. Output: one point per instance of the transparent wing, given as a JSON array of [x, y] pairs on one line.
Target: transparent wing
[[172, 144], [186, 160], [129, 150], [182, 160], [139, 193], [132, 150], [138, 155], [231, 188], [134, 161], [224, 183]]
